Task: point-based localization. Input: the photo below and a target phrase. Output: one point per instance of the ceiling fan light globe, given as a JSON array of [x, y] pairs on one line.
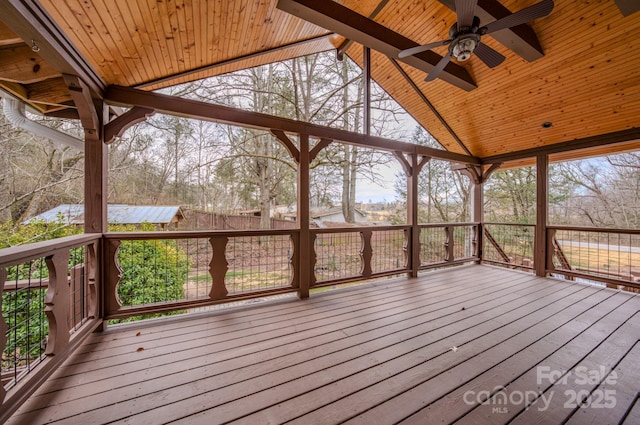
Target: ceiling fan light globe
[[463, 48]]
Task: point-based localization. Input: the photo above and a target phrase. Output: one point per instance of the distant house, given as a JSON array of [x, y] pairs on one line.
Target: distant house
[[163, 216], [327, 217], [250, 213]]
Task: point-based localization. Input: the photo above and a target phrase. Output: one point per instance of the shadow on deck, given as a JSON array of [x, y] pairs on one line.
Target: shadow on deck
[[472, 344]]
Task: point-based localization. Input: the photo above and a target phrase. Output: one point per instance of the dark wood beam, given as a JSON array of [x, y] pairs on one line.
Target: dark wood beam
[[19, 64], [29, 20], [520, 39], [125, 96], [627, 7], [346, 43], [120, 124], [569, 145], [433, 109], [234, 60], [342, 20], [366, 69], [86, 108]]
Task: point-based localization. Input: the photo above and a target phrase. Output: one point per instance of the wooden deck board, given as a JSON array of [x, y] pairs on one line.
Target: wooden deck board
[[403, 350]]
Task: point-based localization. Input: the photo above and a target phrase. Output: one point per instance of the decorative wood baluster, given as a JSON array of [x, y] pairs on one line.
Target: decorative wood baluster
[[218, 267], [406, 246], [57, 302], [366, 252], [449, 243], [293, 261], [91, 263], [313, 259], [113, 273], [475, 247], [77, 278], [3, 326], [551, 252]]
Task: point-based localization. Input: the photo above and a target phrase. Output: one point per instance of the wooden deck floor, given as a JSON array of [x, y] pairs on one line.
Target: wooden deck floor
[[422, 351]]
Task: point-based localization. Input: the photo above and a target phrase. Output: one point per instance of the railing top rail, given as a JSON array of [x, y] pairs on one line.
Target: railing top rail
[[22, 253], [496, 223], [462, 224], [193, 234], [595, 229], [358, 229]]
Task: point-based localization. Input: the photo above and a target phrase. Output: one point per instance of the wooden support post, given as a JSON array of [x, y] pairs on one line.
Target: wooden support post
[[3, 325], [542, 198], [477, 215], [57, 302], [412, 214], [366, 60], [478, 177], [412, 168], [95, 186], [304, 257]]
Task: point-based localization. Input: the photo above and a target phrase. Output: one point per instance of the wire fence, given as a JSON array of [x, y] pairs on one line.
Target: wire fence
[[389, 250], [27, 326], [433, 248], [605, 254], [338, 255], [258, 263], [509, 244]]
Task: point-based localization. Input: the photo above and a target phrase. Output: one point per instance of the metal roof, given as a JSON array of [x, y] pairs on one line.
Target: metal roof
[[116, 214]]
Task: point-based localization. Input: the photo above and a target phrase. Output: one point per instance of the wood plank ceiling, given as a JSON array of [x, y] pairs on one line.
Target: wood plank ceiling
[[586, 84]]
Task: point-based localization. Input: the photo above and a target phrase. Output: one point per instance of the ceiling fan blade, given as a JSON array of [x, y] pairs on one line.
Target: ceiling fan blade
[[412, 51], [490, 57], [527, 14], [438, 68], [465, 9]]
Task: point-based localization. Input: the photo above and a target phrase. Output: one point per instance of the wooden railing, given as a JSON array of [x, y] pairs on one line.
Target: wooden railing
[[448, 244], [50, 303], [348, 254], [207, 268], [195, 269], [611, 256]]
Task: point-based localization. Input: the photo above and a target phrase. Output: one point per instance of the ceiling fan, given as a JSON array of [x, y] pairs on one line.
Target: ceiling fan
[[466, 33]]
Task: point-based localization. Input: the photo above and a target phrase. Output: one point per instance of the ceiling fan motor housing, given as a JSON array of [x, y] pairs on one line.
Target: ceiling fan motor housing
[[464, 40]]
